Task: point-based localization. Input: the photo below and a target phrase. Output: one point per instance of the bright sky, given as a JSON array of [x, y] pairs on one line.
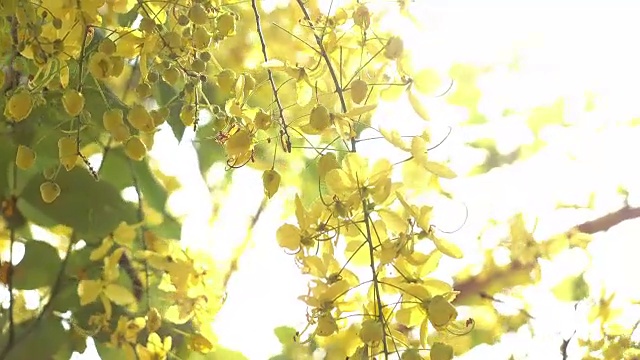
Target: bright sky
[[563, 51]]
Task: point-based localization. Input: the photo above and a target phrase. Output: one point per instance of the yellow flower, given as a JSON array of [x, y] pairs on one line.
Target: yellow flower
[[106, 288], [127, 330], [156, 349], [356, 176], [329, 269]]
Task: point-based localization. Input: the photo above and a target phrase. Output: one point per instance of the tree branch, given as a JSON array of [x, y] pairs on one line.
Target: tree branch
[[284, 134], [325, 56], [480, 283]]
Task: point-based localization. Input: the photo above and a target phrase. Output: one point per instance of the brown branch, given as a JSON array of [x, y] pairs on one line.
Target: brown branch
[[608, 221], [481, 283]]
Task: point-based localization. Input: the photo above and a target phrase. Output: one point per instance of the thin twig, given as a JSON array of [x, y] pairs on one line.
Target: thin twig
[[241, 248], [12, 235], [375, 276], [263, 44], [140, 214], [325, 56]]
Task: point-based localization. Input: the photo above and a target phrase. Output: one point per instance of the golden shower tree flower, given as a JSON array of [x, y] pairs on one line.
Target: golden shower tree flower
[[106, 288], [328, 269], [156, 348], [355, 176]]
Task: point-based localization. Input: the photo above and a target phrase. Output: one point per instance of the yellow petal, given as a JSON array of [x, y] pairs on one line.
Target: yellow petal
[[315, 266], [88, 291], [424, 327], [288, 236], [436, 287], [301, 213], [238, 143], [119, 294], [360, 110], [419, 150], [409, 317], [394, 222], [108, 309], [64, 75], [417, 106], [356, 166], [239, 88], [304, 93], [406, 206], [124, 234], [447, 248], [439, 170], [335, 290], [392, 93], [101, 251], [393, 137], [326, 163], [337, 181], [381, 170]]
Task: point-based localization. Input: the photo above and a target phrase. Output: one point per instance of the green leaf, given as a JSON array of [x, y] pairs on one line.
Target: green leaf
[[285, 334], [544, 116], [165, 94], [95, 101], [38, 268], [92, 208], [152, 190], [79, 261], [7, 158], [573, 288], [115, 170], [67, 297], [107, 352], [40, 339], [209, 152], [170, 227]]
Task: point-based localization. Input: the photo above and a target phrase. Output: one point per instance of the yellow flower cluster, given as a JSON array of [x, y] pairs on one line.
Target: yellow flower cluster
[[367, 216]]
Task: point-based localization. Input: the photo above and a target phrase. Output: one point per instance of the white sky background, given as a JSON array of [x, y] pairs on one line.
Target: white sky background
[[563, 51]]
